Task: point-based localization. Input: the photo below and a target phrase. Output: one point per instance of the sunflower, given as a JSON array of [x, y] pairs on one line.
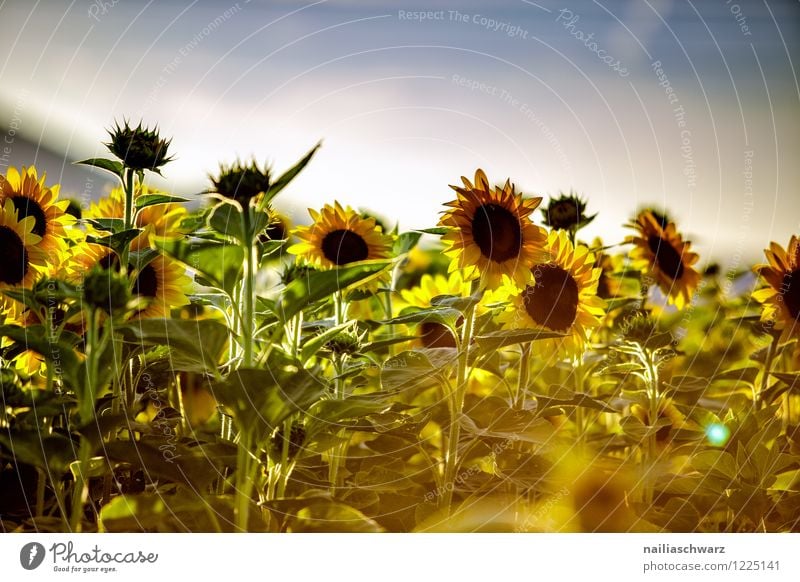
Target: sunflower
[[560, 296], [162, 283], [339, 236], [490, 233], [31, 198], [157, 220], [22, 258], [665, 256], [433, 334], [781, 299]]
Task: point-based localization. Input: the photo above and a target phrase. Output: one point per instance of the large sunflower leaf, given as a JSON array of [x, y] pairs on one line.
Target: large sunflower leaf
[[499, 339], [319, 285], [218, 264]]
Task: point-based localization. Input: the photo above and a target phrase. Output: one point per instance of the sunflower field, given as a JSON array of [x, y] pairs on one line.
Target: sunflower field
[[176, 367]]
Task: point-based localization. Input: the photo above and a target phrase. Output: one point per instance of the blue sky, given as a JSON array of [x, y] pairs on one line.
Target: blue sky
[[406, 106]]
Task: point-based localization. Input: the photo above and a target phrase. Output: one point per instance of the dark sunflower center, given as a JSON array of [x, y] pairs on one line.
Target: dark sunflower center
[[667, 258], [497, 232], [553, 299], [435, 335], [27, 207], [146, 284], [344, 246], [13, 259], [791, 292]]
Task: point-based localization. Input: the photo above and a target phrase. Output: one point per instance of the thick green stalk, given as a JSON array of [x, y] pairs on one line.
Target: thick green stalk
[[81, 487], [457, 405], [522, 375], [772, 350], [248, 290], [128, 184], [244, 483]]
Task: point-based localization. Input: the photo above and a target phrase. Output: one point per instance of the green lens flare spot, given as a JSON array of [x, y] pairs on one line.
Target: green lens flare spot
[[718, 434]]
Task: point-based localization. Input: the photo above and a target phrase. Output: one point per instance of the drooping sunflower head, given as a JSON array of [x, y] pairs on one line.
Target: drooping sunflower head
[[567, 212], [490, 232], [140, 148], [32, 198], [433, 334], [22, 259], [781, 297], [559, 296], [339, 236], [662, 254], [242, 182]]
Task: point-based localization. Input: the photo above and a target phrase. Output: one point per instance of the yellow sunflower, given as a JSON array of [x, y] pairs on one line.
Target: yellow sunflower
[[158, 220], [33, 199], [560, 296], [163, 282], [432, 334], [490, 232], [781, 299], [22, 258], [664, 255], [340, 236]]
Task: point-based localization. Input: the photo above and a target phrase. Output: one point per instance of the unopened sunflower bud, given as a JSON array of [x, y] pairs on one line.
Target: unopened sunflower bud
[[106, 289], [139, 148], [567, 212], [241, 182]]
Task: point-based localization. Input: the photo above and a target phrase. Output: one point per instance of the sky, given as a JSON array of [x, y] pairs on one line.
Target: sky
[[688, 105]]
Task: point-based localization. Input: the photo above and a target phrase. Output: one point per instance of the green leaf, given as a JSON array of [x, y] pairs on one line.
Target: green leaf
[[443, 315], [333, 412], [747, 375], [499, 339], [313, 345], [195, 346], [112, 166], [287, 177], [439, 230], [108, 224], [31, 447], [411, 369], [331, 516], [145, 200], [319, 285], [715, 462], [462, 304], [261, 399], [406, 241], [226, 219], [185, 512], [218, 264], [116, 242]]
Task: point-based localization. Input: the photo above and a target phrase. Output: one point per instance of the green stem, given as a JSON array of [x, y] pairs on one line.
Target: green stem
[[522, 376], [654, 400], [248, 290], [244, 484], [80, 491], [128, 184], [454, 433], [772, 350]]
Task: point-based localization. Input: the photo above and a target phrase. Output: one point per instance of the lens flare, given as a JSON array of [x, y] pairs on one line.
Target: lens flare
[[717, 434]]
